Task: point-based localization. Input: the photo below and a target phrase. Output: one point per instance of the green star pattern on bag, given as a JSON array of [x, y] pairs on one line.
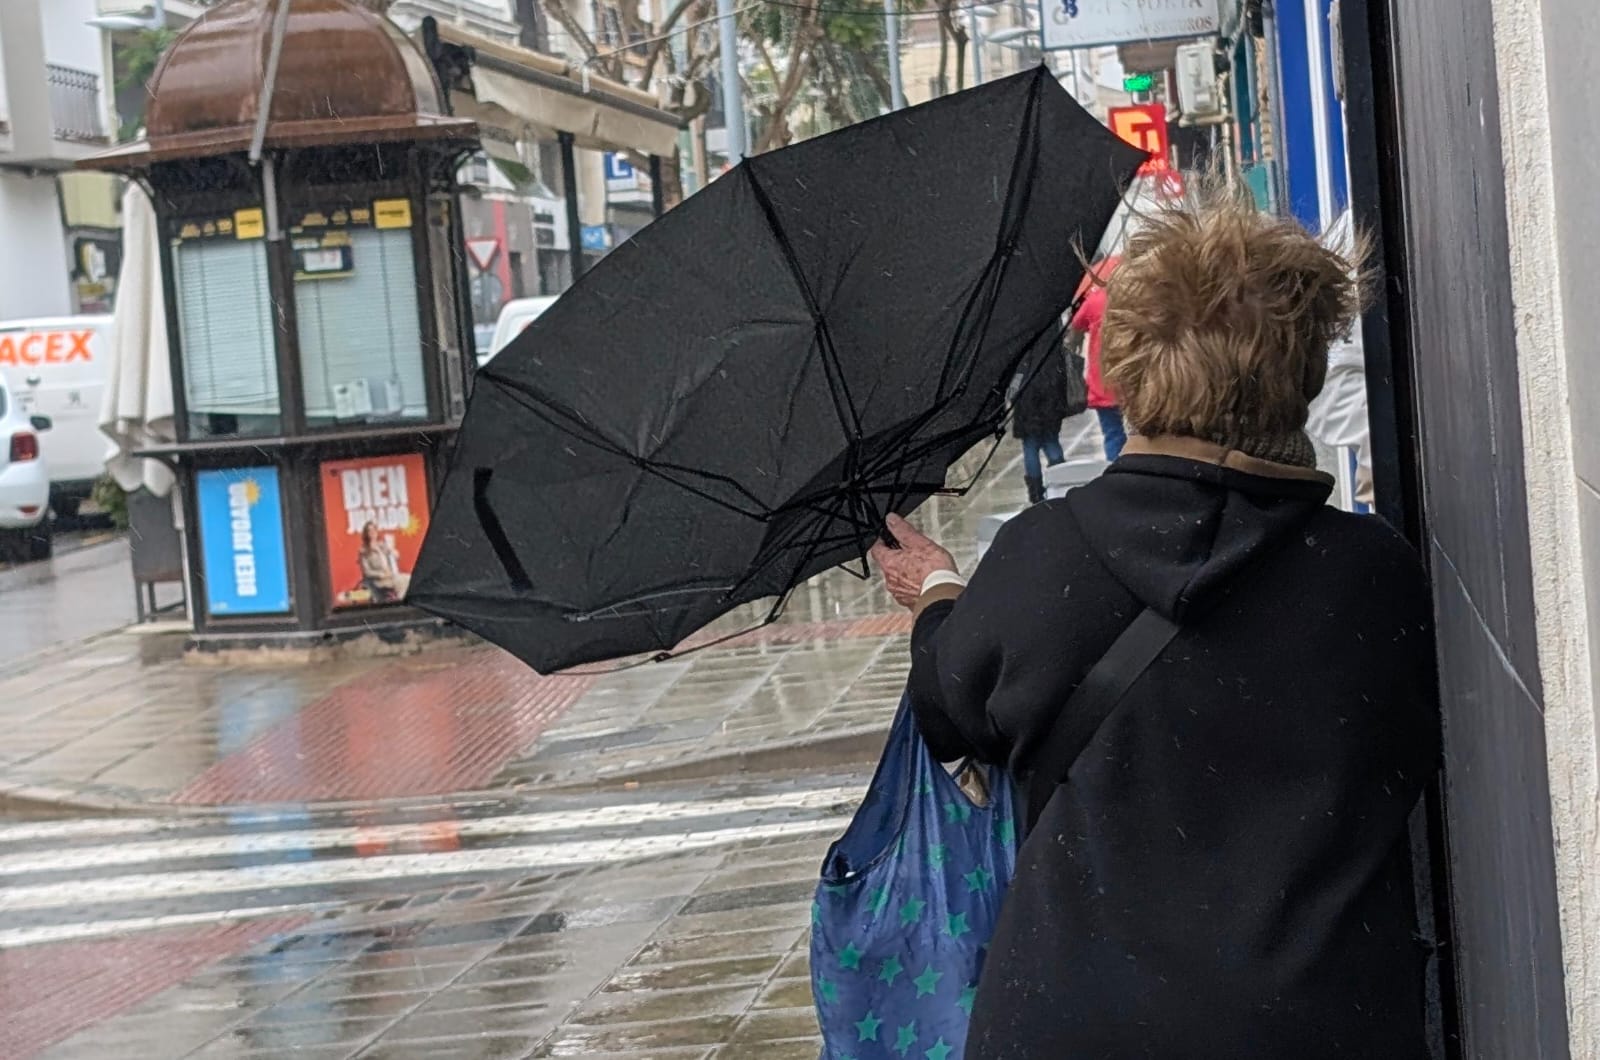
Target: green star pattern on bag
[[867, 1029], [827, 990], [928, 981], [878, 900], [937, 853], [1006, 829], [958, 812], [955, 925], [850, 958], [906, 1038], [891, 970], [911, 912], [940, 1051], [968, 996], [978, 880]]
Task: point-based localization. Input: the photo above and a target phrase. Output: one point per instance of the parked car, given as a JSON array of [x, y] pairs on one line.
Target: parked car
[[514, 316], [24, 482], [57, 367]]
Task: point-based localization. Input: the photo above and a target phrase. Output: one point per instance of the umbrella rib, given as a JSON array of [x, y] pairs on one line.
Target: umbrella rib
[[563, 419], [838, 388], [1012, 213]]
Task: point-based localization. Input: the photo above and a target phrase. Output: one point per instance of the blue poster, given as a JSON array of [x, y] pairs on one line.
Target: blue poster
[[241, 542]]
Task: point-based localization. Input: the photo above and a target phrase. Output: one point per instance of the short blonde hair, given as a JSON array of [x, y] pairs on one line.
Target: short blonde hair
[[1219, 318]]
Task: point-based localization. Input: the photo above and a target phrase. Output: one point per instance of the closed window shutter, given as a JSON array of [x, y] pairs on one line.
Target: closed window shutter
[[225, 325], [364, 326]]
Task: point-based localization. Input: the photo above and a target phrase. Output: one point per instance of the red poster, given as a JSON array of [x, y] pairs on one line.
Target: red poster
[[375, 511]]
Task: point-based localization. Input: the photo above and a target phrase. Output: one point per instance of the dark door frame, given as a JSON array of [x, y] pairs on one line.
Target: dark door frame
[[1378, 178]]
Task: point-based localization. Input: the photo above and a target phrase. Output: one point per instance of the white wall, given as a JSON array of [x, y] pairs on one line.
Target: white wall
[[34, 272], [1546, 60], [69, 40]]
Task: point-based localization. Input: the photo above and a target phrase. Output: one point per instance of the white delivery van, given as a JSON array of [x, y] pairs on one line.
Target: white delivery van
[[515, 315], [57, 367]]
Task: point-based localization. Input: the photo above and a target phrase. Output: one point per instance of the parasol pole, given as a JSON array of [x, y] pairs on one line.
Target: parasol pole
[[269, 87]]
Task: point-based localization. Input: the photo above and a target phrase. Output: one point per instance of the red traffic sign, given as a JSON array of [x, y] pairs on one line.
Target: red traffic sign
[[482, 251]]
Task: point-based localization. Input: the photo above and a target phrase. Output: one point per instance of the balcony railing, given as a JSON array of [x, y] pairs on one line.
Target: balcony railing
[[75, 104]]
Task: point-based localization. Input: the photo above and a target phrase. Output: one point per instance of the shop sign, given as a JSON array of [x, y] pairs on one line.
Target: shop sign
[[1145, 127], [375, 513], [1094, 23], [241, 541]]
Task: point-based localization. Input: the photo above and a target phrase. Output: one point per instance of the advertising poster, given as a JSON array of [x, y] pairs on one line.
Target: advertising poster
[[241, 541], [375, 512]]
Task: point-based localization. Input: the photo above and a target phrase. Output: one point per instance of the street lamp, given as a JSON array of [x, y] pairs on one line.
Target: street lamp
[[156, 19]]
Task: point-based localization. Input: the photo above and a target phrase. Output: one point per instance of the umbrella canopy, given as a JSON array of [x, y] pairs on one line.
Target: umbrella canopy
[[136, 409], [733, 401]]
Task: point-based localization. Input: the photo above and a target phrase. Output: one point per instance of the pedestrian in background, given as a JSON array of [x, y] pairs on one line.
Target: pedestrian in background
[[1088, 319], [1040, 403], [1224, 870]]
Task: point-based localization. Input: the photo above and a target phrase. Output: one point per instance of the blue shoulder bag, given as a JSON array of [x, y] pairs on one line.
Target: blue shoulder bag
[[910, 894]]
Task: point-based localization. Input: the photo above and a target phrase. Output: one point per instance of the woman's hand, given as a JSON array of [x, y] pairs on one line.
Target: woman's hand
[[905, 568]]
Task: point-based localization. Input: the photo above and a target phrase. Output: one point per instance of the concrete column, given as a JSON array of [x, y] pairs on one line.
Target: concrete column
[[1546, 64]]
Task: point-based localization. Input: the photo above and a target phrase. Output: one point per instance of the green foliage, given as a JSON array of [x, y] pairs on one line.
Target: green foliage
[[135, 64], [110, 498], [139, 57]]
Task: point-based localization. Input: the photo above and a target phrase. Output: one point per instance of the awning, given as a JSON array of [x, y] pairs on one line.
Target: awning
[[520, 91]]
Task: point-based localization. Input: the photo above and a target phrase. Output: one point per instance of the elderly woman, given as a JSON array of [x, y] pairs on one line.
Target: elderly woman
[[1224, 871]]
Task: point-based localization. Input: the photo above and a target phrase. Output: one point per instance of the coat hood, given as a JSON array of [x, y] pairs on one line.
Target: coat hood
[[1175, 530]]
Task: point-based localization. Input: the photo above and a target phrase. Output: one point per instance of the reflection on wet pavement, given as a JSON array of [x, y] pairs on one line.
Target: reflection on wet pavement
[[700, 947]]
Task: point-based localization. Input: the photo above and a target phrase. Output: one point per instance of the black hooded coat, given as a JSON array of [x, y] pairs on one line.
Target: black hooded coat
[[1225, 872]]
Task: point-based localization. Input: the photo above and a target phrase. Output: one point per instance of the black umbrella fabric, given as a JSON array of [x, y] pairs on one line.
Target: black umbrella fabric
[[732, 401]]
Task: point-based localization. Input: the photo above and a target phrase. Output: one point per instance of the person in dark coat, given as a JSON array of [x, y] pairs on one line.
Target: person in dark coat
[[1224, 872], [1039, 408]]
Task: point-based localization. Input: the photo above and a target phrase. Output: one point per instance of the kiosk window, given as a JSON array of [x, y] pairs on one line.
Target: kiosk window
[[230, 365], [360, 333]]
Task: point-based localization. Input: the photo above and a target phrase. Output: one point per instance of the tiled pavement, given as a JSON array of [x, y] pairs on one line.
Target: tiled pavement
[[698, 954], [125, 720]]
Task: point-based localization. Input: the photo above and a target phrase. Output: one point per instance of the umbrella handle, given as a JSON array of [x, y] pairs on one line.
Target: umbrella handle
[[889, 539]]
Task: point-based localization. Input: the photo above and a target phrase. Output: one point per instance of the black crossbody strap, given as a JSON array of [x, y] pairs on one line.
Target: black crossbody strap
[[1092, 702]]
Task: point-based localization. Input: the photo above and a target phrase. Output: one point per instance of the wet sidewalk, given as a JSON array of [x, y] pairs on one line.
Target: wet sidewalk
[[665, 926], [125, 722]]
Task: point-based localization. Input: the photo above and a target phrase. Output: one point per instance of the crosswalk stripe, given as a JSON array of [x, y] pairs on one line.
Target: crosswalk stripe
[[313, 839], [391, 868], [16, 938]]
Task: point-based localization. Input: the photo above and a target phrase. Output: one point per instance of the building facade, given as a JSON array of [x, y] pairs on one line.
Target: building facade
[[54, 110]]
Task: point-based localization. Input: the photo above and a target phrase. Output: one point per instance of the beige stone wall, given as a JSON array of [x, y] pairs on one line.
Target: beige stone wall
[[1544, 51]]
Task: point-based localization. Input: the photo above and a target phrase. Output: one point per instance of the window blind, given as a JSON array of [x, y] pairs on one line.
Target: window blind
[[225, 326], [362, 330]]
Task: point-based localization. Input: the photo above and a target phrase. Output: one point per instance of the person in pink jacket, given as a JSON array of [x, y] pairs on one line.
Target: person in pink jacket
[[1087, 319]]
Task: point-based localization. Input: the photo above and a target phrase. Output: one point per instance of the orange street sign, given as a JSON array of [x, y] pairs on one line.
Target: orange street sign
[[1145, 127]]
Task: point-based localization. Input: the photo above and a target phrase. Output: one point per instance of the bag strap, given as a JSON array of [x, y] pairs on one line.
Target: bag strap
[[1092, 702]]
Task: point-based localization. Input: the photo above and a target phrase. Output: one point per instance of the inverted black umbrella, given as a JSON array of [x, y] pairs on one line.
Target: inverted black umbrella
[[733, 400]]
